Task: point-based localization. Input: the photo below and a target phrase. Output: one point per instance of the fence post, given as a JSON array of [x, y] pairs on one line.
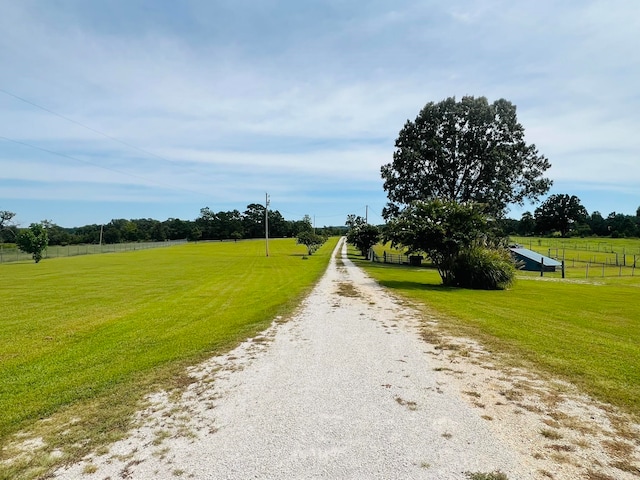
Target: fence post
[[587, 270], [542, 266], [563, 268]]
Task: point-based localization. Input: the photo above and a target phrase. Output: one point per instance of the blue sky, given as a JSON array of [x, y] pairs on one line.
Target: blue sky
[[213, 103]]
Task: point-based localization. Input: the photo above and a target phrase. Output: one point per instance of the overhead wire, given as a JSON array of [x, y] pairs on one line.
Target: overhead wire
[[64, 155], [122, 142], [75, 122]]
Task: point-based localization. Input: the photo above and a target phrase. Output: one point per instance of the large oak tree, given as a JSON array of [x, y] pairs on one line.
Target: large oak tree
[[560, 212], [466, 151]]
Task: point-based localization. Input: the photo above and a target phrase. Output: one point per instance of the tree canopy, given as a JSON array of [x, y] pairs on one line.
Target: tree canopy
[[33, 240], [361, 234], [311, 240], [559, 212], [466, 151]]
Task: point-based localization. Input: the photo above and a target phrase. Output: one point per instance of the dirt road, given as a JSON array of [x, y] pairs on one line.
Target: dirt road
[[347, 388]]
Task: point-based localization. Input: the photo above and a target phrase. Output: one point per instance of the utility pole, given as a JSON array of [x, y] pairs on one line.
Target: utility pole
[[101, 231], [366, 215], [266, 221]]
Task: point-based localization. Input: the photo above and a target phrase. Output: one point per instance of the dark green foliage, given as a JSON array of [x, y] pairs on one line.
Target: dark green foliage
[[5, 217], [362, 235], [34, 240], [441, 229], [484, 269], [8, 231], [466, 151], [560, 213], [311, 240]]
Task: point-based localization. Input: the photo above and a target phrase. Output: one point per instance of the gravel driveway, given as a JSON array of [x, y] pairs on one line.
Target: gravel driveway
[[347, 388]]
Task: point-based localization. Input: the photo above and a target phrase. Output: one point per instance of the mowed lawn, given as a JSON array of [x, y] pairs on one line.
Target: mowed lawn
[[107, 326], [587, 333]]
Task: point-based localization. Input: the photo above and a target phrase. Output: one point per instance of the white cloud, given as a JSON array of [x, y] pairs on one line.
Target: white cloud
[[284, 96]]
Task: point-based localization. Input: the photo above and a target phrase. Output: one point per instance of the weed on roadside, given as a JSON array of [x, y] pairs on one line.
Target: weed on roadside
[[497, 475]]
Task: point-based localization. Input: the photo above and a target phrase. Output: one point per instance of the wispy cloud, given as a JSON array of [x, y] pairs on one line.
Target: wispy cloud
[[233, 99]]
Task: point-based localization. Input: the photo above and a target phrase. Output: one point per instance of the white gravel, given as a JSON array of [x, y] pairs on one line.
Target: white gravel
[[347, 388]]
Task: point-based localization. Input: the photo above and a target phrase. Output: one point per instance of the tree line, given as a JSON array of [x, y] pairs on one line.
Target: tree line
[[209, 225], [563, 215]]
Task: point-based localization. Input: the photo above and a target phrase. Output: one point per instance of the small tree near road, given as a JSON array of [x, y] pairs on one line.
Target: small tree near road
[[33, 240], [311, 240]]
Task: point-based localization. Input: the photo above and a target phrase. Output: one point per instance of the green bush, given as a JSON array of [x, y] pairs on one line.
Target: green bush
[[484, 269]]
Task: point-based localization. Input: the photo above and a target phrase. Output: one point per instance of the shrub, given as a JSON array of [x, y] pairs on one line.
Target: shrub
[[484, 268]]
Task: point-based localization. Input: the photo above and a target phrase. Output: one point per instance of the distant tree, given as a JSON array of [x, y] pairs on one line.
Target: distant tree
[[467, 151], [195, 234], [206, 223], [158, 232], [56, 234], [304, 225], [33, 240], [310, 240], [527, 224], [620, 225], [361, 234], [6, 225], [253, 221], [5, 218], [112, 232], [227, 225], [354, 220], [278, 226], [597, 224], [560, 212], [178, 229], [508, 226]]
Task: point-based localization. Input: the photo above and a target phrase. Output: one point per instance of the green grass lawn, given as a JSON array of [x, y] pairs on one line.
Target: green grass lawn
[[587, 333], [89, 336], [589, 257], [630, 246]]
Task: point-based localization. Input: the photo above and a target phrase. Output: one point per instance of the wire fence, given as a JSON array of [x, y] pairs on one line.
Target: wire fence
[[595, 265], [397, 258], [13, 254]]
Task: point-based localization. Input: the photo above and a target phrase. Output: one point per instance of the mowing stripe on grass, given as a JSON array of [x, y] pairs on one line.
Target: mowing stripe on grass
[[77, 328], [587, 333]]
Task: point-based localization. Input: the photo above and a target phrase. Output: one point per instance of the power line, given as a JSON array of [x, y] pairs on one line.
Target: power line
[[110, 137], [64, 155]]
